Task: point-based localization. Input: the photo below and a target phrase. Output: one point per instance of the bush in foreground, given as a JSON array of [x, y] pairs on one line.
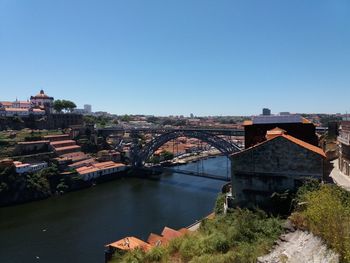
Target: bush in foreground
[[325, 211], [239, 236]]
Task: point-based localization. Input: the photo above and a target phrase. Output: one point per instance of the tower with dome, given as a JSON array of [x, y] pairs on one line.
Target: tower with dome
[[42, 101]]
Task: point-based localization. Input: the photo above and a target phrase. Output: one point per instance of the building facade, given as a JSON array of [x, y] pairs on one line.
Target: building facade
[[344, 147], [278, 164], [29, 168], [96, 170], [87, 108], [17, 104], [266, 112]]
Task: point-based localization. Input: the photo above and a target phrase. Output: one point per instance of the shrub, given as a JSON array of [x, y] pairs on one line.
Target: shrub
[[326, 213], [157, 254], [134, 256], [219, 204], [240, 236]]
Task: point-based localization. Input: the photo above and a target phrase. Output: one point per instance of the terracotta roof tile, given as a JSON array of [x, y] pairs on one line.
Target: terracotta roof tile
[[156, 240], [247, 123], [62, 142], [32, 142], [130, 243], [169, 233], [305, 145], [301, 143], [16, 109]]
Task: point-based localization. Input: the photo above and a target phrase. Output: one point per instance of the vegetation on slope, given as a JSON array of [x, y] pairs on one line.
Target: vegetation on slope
[[239, 236], [242, 235], [9, 139], [20, 188], [325, 211]]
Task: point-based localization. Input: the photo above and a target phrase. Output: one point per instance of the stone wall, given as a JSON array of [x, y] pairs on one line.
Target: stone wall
[[49, 122], [24, 148], [274, 166]]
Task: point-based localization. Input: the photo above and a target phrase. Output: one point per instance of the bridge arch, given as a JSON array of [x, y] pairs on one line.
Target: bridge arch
[[140, 156]]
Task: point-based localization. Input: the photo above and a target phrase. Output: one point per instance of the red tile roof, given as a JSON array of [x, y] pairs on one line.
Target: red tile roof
[[183, 230], [301, 143], [56, 136], [130, 243], [95, 167], [247, 123], [32, 142], [6, 103], [274, 132], [83, 162], [87, 169], [16, 109], [62, 142], [156, 240], [73, 147], [169, 233], [306, 145]]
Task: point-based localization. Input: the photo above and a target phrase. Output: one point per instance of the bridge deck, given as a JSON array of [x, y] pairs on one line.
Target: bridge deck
[[192, 173]]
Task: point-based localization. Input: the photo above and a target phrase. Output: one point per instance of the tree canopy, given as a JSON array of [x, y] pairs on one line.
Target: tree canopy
[[66, 105]]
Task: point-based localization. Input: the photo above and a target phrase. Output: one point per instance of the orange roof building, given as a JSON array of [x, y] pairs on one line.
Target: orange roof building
[[279, 163], [130, 243], [95, 170]]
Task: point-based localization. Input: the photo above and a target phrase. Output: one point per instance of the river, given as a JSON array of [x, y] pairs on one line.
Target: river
[[74, 227]]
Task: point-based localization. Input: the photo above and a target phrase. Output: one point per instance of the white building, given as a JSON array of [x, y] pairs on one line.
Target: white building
[[29, 168], [96, 170], [17, 104], [87, 108], [9, 112], [20, 112], [79, 111]]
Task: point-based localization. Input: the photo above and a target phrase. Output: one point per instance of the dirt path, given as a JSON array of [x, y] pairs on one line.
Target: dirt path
[[300, 247]]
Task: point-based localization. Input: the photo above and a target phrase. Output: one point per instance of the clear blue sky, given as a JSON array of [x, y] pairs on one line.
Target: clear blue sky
[[175, 57]]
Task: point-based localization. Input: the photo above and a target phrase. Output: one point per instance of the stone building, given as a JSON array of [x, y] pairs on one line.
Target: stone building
[[278, 164], [344, 147]]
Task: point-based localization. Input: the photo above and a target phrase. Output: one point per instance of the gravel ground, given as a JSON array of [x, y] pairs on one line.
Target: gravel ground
[[300, 247]]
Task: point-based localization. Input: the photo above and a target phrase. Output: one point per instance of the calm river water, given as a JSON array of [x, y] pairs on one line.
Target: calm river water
[[75, 227]]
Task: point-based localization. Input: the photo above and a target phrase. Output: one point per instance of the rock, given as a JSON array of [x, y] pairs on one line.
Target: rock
[[288, 226], [300, 247]]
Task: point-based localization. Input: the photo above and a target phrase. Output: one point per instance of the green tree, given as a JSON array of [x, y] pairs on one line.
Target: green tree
[[58, 105], [69, 105], [66, 105], [167, 155], [126, 118]]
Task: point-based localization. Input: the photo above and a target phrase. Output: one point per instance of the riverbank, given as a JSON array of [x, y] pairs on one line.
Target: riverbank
[[50, 182], [18, 189], [191, 157], [78, 224], [316, 231], [238, 236]]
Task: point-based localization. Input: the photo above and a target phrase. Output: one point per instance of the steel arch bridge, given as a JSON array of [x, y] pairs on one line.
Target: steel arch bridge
[[140, 155]]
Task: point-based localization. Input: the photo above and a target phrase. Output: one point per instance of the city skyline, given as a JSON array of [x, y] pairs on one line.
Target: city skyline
[[166, 58]]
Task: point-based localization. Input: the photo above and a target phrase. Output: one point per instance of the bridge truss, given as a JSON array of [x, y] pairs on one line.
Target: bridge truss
[[140, 154]]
